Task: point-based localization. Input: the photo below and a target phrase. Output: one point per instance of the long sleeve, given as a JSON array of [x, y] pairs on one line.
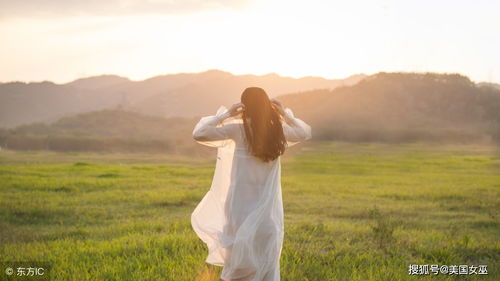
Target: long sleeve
[[295, 130], [208, 131]]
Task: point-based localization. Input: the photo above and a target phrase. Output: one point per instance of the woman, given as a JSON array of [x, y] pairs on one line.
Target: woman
[[241, 216]]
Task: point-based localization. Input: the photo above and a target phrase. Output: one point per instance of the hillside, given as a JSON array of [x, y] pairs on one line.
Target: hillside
[[385, 107], [105, 130], [166, 95], [110, 123], [400, 106]]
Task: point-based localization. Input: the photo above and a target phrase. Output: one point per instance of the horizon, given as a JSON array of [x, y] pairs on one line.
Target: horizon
[[179, 73], [244, 74], [64, 41]]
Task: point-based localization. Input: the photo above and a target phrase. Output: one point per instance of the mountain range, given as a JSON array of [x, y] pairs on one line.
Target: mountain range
[[403, 106], [383, 107], [173, 95]]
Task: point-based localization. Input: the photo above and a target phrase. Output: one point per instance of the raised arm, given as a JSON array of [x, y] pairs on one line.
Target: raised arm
[[207, 128], [294, 129]]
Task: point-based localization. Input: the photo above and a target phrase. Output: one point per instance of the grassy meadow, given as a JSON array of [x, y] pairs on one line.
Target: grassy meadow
[[353, 212]]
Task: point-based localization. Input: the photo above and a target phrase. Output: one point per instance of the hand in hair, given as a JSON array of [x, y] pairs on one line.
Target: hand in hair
[[236, 109], [278, 107]]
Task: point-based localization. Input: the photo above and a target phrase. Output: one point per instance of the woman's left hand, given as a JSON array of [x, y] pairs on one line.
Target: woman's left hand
[[279, 108]]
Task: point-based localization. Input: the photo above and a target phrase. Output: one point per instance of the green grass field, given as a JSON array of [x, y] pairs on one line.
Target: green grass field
[[356, 212]]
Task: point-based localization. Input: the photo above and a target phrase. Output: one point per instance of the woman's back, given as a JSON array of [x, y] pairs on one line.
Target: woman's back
[[241, 216]]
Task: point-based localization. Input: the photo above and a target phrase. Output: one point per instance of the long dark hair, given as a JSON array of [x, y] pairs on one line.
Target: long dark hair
[[264, 134]]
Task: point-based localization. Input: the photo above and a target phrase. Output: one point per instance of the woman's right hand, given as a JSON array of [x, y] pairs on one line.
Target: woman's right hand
[[235, 109]]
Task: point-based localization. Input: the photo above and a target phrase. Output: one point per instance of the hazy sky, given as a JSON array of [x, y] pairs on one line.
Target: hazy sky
[[61, 40]]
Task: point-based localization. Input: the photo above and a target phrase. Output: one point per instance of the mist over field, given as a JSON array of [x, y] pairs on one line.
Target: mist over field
[[111, 113]]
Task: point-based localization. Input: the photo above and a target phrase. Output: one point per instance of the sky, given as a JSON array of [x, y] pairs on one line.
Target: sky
[[62, 40]]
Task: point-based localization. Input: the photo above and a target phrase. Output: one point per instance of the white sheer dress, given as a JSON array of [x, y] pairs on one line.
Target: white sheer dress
[[241, 217]]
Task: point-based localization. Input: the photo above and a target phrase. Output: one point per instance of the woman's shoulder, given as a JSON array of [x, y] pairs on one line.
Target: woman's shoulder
[[234, 130]]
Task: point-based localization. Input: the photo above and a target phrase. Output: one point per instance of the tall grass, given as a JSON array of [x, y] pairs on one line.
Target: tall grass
[[352, 212]]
